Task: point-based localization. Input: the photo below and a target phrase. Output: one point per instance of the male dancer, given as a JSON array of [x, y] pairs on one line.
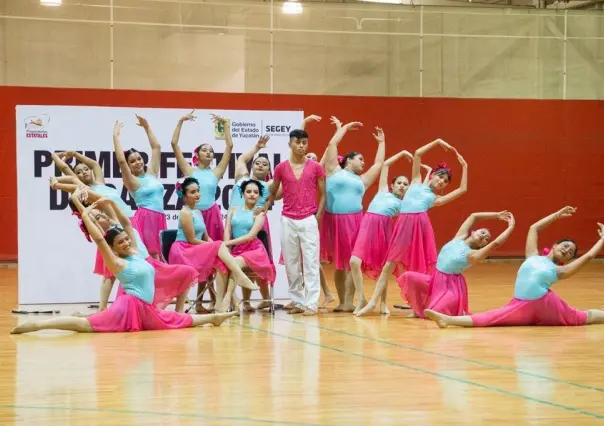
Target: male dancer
[[301, 178]]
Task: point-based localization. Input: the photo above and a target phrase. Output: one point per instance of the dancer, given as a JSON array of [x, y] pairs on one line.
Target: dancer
[[143, 186], [369, 252], [240, 235], [534, 302], [346, 185], [170, 280], [88, 172], [203, 156], [132, 311], [193, 247], [445, 289], [301, 179], [412, 244]]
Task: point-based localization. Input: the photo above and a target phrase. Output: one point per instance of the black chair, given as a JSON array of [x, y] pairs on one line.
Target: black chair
[[166, 239]]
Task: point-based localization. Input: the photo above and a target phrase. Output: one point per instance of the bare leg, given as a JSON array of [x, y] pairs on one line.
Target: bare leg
[[221, 289], [384, 304], [215, 319], [80, 325], [180, 302], [443, 321], [379, 288], [339, 277], [349, 293], [264, 291], [228, 296], [325, 288], [106, 287], [225, 255], [359, 285], [247, 294], [595, 316]]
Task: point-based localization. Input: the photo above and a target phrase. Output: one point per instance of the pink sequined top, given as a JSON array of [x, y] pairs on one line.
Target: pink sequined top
[[299, 195]]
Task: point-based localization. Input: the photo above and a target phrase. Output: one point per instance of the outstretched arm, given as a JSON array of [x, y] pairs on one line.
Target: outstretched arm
[[464, 229], [154, 144], [428, 170], [384, 181], [416, 176], [567, 271], [309, 119], [226, 157], [131, 182], [65, 169], [478, 255], [532, 237], [93, 165], [331, 153], [463, 186], [182, 162], [372, 174], [241, 169]]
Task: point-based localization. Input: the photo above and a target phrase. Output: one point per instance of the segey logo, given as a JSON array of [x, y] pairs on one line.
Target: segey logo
[[36, 125]]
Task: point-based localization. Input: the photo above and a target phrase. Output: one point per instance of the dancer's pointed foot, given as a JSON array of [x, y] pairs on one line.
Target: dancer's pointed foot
[[438, 318]]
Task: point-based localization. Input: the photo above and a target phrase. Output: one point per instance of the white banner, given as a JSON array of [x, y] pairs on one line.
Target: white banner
[[55, 259]]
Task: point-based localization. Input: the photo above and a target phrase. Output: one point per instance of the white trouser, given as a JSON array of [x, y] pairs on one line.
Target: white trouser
[[300, 238]]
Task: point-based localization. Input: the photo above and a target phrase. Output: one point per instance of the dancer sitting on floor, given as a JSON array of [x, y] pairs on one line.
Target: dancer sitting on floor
[[369, 252], [534, 302], [413, 245], [133, 310], [241, 236], [445, 289], [195, 248]]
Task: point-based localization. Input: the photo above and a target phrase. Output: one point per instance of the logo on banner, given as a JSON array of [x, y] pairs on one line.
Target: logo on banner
[[277, 129], [35, 126], [219, 130]]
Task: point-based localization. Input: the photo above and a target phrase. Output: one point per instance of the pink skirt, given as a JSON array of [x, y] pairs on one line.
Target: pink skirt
[[129, 313], [337, 237], [413, 244], [213, 220], [371, 245], [444, 293], [202, 257], [150, 224], [99, 264], [257, 259], [548, 310], [170, 281]]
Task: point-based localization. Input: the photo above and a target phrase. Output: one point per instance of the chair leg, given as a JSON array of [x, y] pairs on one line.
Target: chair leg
[[272, 309], [199, 298]]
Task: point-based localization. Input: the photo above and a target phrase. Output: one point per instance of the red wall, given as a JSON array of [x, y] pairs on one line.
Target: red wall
[[530, 157]]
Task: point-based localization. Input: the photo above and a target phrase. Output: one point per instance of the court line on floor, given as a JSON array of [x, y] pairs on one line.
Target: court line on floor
[[427, 372], [458, 358], [152, 413]]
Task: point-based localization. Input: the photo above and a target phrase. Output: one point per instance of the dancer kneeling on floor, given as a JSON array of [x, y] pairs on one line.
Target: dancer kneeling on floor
[[132, 311], [445, 290], [534, 303]]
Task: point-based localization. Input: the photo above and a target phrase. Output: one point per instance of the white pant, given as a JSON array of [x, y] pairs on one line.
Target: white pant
[[300, 238]]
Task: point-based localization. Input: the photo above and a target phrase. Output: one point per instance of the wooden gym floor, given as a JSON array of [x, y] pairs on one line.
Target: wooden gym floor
[[332, 369]]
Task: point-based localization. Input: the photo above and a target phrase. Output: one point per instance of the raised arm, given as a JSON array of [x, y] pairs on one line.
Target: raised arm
[[309, 119], [220, 169], [384, 181], [532, 239], [60, 185], [416, 176], [463, 186], [272, 196], [186, 221], [331, 153], [464, 229], [93, 165], [480, 254], [428, 170], [182, 162], [241, 169], [372, 174], [153, 167], [57, 158], [567, 271], [131, 182], [257, 227], [113, 211]]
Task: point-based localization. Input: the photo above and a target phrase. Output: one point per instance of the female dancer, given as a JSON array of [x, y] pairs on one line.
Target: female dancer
[[346, 184], [445, 289], [208, 179], [143, 186], [131, 311], [534, 303], [412, 243], [369, 252], [240, 235], [193, 246], [170, 280], [89, 173]]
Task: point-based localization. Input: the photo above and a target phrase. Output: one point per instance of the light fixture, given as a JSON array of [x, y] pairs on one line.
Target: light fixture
[[51, 2], [292, 7]]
